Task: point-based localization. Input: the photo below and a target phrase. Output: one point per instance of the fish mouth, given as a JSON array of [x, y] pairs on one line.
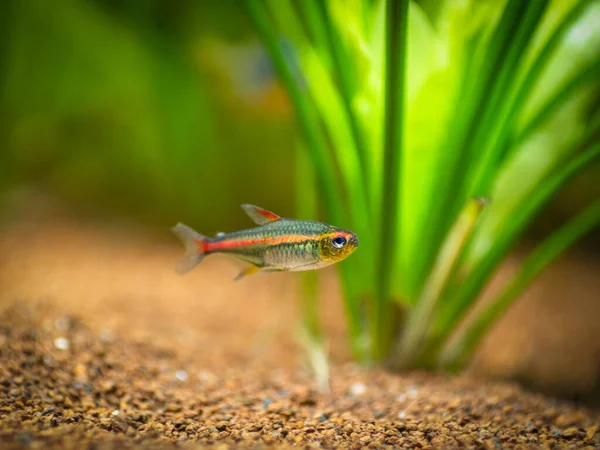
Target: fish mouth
[[354, 241]]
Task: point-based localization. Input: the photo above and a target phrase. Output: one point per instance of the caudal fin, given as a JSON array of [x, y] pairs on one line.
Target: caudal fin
[[194, 247]]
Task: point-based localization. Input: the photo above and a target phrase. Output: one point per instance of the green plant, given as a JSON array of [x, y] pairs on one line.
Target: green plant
[[410, 112]]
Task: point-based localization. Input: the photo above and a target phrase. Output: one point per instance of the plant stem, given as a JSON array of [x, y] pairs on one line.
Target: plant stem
[[342, 65], [307, 117], [455, 355], [419, 319], [318, 150], [396, 26], [329, 102], [316, 30]]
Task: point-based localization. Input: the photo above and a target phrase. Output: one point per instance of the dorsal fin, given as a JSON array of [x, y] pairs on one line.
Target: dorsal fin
[[259, 215]]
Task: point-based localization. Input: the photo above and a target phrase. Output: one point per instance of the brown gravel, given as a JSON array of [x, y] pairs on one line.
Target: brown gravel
[[65, 386], [95, 355]]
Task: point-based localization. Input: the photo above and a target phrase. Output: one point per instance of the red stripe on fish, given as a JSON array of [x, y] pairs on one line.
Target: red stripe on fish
[[212, 246], [285, 239]]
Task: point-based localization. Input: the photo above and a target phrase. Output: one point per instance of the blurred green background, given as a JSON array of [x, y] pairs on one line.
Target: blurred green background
[[157, 110], [154, 110]]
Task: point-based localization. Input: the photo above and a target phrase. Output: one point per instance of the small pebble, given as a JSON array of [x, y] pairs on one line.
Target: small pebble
[[570, 432], [80, 372], [61, 343], [173, 408], [358, 389], [181, 375]]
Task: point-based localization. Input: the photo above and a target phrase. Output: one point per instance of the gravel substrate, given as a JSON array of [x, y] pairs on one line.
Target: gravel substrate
[[64, 386]]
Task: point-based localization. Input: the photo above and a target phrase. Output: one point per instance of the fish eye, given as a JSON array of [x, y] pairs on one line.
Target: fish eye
[[338, 241]]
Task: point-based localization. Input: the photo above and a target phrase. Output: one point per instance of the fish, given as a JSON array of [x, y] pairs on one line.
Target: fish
[[277, 244]]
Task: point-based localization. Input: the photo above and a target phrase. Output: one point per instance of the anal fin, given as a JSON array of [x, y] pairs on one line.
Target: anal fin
[[247, 271]]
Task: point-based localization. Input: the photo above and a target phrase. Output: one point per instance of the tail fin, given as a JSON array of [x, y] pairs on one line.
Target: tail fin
[[194, 247]]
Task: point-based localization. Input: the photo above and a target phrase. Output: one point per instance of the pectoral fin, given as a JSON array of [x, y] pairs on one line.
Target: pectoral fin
[[258, 215]]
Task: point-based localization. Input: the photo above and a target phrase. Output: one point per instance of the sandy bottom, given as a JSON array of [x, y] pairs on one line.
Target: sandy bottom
[[102, 346]]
